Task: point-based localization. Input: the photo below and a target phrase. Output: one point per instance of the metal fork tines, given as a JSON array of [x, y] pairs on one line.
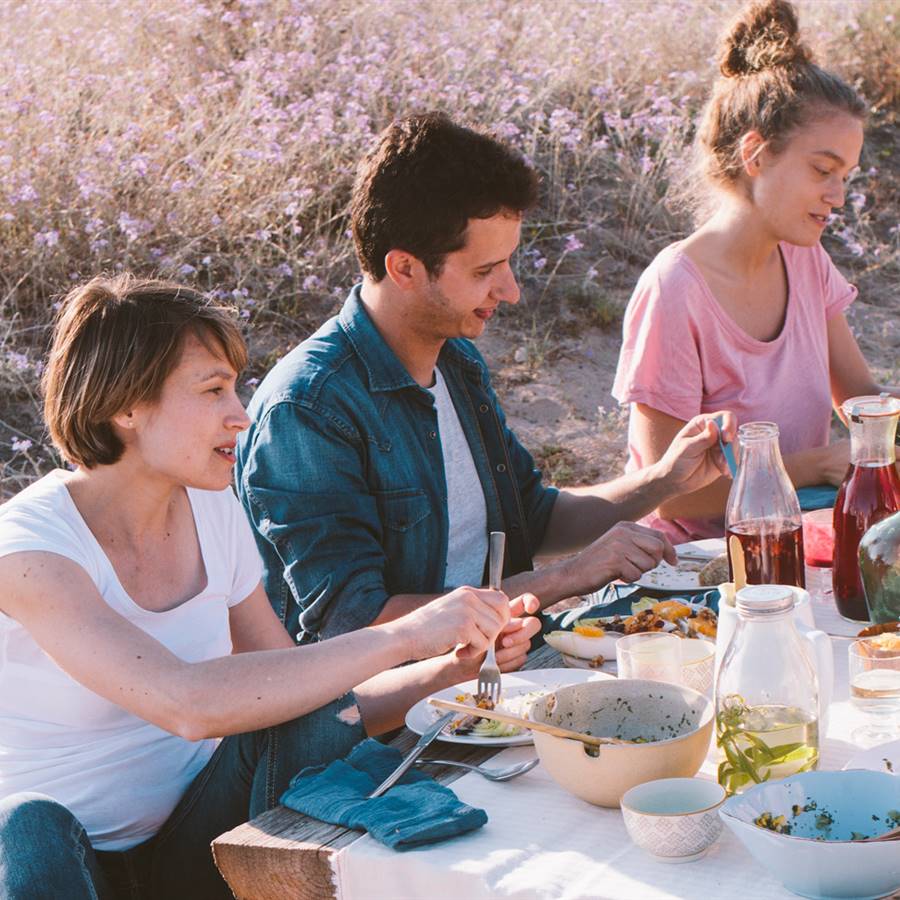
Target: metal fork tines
[[503, 774], [489, 673]]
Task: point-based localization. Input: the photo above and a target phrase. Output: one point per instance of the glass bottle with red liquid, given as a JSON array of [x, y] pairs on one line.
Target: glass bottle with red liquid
[[869, 493], [763, 511]]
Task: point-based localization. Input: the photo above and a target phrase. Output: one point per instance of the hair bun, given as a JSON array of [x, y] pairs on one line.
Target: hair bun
[[765, 36]]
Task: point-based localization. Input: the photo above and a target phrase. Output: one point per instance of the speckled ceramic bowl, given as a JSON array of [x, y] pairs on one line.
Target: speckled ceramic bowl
[[675, 722]]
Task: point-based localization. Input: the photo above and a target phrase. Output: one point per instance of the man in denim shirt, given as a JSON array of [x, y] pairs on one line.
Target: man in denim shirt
[[379, 457]]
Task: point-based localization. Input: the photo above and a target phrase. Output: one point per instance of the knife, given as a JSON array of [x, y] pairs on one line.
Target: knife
[[413, 755]]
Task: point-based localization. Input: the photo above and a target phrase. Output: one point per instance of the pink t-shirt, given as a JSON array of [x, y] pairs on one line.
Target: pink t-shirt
[[683, 354]]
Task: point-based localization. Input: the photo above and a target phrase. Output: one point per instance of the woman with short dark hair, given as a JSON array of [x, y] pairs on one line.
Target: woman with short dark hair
[[134, 632]]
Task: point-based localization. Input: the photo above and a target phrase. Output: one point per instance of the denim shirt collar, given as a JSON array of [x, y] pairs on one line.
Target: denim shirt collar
[[385, 371]]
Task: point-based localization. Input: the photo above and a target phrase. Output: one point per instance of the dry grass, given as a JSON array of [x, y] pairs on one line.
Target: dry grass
[[214, 141]]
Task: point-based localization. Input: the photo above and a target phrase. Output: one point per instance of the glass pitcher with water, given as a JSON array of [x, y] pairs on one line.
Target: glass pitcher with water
[[869, 493], [763, 513], [767, 692]]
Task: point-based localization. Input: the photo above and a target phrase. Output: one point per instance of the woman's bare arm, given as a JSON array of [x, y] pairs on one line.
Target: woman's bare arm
[[58, 603]]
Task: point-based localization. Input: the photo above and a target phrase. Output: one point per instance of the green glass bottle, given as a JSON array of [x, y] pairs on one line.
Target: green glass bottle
[[879, 565]]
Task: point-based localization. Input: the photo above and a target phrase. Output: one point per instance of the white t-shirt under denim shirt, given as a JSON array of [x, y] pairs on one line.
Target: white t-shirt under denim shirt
[[118, 774], [467, 545]]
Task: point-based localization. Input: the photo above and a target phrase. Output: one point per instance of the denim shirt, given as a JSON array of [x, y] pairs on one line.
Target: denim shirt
[[342, 475]]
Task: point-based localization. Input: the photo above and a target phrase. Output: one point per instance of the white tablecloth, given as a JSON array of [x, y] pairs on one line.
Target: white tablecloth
[[541, 843]]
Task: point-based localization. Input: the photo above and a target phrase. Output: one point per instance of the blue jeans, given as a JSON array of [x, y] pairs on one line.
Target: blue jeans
[[45, 853]]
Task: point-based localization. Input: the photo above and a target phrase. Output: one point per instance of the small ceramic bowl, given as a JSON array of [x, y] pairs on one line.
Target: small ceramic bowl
[[674, 819]]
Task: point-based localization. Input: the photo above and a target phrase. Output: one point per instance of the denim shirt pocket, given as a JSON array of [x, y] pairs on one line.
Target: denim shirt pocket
[[408, 538]]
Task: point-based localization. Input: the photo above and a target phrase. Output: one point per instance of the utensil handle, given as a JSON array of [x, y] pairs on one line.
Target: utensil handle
[[738, 568], [412, 756], [510, 719], [496, 551]]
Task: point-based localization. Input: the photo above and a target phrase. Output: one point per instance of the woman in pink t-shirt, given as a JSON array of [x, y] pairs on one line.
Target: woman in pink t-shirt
[[747, 313]]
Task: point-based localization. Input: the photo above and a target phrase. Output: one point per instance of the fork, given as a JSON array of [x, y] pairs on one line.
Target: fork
[[489, 673], [491, 774]]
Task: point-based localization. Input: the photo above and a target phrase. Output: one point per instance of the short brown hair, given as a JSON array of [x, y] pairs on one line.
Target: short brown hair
[[769, 84], [115, 342], [422, 182]]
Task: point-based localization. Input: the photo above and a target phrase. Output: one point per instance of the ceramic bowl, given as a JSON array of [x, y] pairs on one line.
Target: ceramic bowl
[[675, 721], [674, 819], [819, 858]]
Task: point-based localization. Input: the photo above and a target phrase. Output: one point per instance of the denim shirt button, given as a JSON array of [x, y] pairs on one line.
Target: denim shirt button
[[514, 526], [432, 434], [483, 408], [501, 468]]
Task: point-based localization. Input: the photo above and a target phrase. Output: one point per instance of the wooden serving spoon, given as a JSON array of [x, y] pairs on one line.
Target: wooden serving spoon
[[509, 719], [892, 835], [737, 563]]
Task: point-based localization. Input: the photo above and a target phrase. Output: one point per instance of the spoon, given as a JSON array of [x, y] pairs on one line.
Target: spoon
[[509, 719], [737, 563]]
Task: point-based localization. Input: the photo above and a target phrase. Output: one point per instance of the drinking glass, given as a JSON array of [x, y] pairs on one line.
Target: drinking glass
[[875, 689], [653, 657]]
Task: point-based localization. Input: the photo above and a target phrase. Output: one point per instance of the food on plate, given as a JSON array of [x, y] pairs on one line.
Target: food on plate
[[880, 628], [705, 623], [661, 615], [589, 630], [670, 610], [714, 572], [876, 644], [647, 620], [476, 726]]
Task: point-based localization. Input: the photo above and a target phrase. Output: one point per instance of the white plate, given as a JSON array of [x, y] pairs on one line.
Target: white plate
[[685, 575], [423, 714], [883, 758]]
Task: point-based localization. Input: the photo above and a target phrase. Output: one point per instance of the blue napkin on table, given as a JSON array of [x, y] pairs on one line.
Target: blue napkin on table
[[415, 811], [817, 496], [616, 600]]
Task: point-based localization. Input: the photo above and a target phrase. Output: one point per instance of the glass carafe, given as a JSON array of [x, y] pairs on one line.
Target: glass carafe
[[763, 512], [767, 705], [869, 493], [879, 565]]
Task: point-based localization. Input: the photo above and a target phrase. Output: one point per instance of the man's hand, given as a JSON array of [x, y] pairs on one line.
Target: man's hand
[[515, 639], [467, 619], [626, 551], [693, 459]]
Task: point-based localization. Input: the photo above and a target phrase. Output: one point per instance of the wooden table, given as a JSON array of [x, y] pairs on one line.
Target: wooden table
[[283, 854]]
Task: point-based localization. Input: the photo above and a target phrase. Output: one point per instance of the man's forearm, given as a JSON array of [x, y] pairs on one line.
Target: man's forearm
[[385, 698], [580, 515], [400, 604]]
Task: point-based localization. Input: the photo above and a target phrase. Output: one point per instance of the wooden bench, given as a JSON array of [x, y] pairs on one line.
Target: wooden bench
[[283, 854]]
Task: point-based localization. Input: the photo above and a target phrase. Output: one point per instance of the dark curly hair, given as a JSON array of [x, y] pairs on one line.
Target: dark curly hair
[[425, 178]]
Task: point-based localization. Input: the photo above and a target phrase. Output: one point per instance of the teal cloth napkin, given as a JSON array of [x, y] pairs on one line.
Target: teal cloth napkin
[[818, 496], [415, 811]]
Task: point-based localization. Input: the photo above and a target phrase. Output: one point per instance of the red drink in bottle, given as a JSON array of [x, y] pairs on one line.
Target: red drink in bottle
[[770, 557], [869, 493], [763, 512]]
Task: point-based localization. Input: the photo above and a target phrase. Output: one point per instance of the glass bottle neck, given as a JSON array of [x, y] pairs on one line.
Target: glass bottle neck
[[872, 440]]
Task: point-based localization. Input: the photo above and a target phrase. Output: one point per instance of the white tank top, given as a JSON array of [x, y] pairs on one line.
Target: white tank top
[[118, 774]]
